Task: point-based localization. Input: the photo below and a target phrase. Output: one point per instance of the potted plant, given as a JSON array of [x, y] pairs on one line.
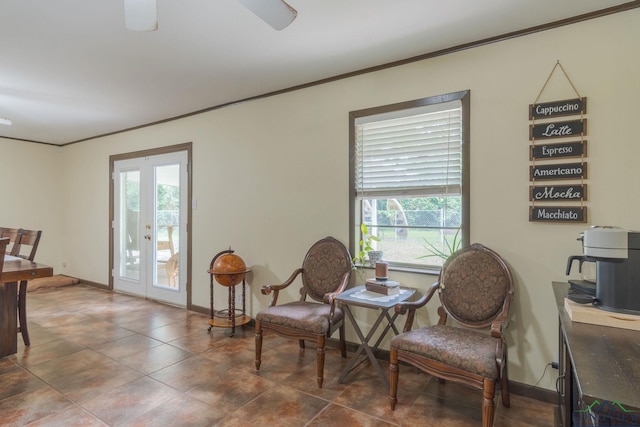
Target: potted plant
[[365, 248], [447, 249]]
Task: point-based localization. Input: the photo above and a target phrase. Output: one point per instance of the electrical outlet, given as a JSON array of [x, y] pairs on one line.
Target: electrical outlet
[[554, 363], [64, 264]]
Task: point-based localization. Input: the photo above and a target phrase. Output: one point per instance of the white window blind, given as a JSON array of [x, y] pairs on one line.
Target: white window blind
[[417, 154]]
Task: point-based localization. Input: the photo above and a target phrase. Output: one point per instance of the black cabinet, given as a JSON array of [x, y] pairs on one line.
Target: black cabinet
[[599, 372]]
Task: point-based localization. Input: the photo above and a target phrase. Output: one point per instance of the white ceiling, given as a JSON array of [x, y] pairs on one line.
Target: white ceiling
[[69, 70]]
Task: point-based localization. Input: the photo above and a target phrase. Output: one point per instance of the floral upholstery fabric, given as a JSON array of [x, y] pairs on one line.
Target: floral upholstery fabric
[[324, 266], [307, 316], [474, 285], [465, 349]]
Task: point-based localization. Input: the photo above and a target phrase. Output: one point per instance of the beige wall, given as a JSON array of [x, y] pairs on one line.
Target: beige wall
[[270, 176], [32, 194]]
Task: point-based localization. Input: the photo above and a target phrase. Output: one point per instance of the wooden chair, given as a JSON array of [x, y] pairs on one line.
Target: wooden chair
[[325, 273], [4, 241], [173, 270], [12, 234], [167, 244], [475, 289], [28, 239]]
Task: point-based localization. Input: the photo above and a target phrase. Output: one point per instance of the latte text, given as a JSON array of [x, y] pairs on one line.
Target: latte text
[[558, 129]]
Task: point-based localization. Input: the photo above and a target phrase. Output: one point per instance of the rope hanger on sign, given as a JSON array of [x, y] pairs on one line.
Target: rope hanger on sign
[[558, 64]]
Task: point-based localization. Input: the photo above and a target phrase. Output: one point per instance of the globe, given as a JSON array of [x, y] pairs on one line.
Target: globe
[[229, 269]]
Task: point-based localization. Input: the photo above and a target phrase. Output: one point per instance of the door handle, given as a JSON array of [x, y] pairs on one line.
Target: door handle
[[147, 236]]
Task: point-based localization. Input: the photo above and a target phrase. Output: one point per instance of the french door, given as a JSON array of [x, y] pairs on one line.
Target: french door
[[149, 226]]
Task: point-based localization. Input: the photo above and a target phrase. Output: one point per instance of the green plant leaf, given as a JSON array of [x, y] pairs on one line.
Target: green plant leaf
[[365, 244], [450, 247]]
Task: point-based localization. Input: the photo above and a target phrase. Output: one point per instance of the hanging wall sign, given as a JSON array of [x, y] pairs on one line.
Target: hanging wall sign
[[548, 193], [558, 171], [570, 128], [558, 214], [554, 137], [557, 151], [569, 107]]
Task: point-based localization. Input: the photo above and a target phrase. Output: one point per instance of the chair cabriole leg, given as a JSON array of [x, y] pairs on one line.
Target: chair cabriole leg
[[22, 312], [488, 405], [504, 382], [393, 378], [258, 344], [320, 360]]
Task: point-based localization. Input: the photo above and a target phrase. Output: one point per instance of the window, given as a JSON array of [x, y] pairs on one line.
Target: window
[[409, 179]]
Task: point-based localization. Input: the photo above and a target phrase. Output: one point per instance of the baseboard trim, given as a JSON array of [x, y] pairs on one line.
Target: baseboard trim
[[200, 309], [533, 392], [94, 284]]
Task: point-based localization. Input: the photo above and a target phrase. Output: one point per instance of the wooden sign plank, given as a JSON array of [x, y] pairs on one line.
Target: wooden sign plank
[[558, 151], [566, 129], [567, 107], [557, 214], [558, 171], [548, 193]]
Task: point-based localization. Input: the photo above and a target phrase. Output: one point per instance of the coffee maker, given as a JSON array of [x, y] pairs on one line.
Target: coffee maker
[[616, 253]]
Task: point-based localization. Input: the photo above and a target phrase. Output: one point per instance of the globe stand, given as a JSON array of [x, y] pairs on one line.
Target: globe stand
[[231, 317]]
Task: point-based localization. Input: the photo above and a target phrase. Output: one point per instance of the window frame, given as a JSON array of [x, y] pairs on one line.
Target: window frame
[[464, 98]]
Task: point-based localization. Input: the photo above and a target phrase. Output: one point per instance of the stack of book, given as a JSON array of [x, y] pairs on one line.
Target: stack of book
[[385, 287]]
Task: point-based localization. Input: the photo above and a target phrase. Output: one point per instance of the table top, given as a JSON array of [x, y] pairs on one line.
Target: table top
[[360, 296], [606, 360], [16, 269]]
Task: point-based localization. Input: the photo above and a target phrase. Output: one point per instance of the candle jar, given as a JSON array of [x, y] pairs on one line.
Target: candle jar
[[382, 270]]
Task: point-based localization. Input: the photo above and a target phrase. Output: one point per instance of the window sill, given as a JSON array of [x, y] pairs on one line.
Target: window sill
[[406, 269]]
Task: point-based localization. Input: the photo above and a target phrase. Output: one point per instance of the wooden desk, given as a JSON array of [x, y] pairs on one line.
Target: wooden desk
[[599, 371], [14, 270]]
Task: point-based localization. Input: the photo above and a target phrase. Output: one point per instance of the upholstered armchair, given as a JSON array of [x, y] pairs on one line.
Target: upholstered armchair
[[325, 272], [475, 289]]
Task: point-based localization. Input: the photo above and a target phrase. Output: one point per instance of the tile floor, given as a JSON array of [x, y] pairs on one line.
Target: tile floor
[[99, 358]]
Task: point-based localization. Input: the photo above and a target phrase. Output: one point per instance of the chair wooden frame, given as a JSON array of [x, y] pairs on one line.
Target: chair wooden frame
[[167, 244], [307, 290], [13, 235], [4, 241], [27, 238], [442, 370]]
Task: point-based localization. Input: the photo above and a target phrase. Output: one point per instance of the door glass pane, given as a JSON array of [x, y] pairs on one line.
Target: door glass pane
[[130, 225], [167, 221]]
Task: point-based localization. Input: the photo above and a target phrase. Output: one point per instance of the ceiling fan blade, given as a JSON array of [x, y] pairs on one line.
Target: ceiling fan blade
[[141, 15], [276, 13]]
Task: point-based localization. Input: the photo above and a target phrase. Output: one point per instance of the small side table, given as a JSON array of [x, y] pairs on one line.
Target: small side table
[[360, 297], [231, 317]]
